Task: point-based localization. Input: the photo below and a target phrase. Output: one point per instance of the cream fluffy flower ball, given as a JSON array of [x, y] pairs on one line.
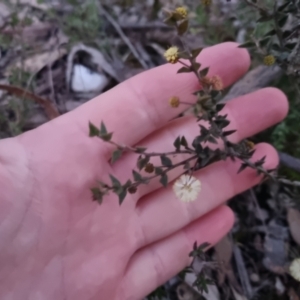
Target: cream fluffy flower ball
[[187, 188], [295, 269]]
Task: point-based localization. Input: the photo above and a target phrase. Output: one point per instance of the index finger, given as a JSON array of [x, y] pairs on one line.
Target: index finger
[[139, 106]]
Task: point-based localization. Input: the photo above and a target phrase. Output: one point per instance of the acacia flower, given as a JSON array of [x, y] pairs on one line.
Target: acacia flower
[[187, 188], [174, 102], [172, 55], [295, 269], [181, 13], [269, 60]]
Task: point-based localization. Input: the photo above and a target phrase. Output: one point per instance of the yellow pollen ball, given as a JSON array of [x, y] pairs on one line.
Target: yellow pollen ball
[[172, 55], [174, 102], [269, 60], [181, 13]]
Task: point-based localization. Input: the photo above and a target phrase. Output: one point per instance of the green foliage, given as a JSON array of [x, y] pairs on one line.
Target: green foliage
[[158, 294], [83, 24]]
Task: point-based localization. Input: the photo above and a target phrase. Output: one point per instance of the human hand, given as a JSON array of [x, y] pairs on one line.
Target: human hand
[[58, 244]]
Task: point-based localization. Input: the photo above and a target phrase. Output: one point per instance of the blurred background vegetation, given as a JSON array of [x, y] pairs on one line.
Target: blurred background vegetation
[[50, 51]]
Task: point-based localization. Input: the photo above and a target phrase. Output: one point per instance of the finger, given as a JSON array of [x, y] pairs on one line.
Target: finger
[[140, 105], [248, 114], [155, 264], [219, 182]]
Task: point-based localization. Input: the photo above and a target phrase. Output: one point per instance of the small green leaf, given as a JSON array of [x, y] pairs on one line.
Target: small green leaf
[[220, 106], [116, 155], [137, 176], [184, 70], [184, 142], [196, 66], [103, 130], [177, 144], [158, 171], [142, 162], [106, 137], [127, 184], [115, 182], [183, 27], [229, 132], [166, 161], [212, 140], [122, 195], [97, 195], [204, 72], [164, 180], [94, 131], [242, 168], [260, 162], [196, 52]]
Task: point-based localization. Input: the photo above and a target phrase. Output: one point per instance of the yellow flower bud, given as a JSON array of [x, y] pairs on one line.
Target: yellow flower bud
[[149, 168], [174, 102], [172, 55], [269, 60], [180, 13]]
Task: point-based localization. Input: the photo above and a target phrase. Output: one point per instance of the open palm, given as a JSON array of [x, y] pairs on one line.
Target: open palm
[[58, 244]]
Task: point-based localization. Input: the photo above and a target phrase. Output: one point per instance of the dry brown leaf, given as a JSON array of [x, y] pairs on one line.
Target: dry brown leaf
[[224, 250], [49, 108], [293, 217], [35, 63]]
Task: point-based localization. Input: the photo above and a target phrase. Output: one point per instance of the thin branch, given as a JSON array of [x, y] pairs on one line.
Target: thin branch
[[126, 40]]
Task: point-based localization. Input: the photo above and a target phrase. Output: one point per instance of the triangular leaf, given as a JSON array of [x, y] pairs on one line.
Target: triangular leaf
[[116, 155], [229, 132], [204, 72], [242, 168], [142, 162], [103, 129], [196, 52], [137, 176], [184, 70], [94, 131], [183, 27], [164, 180], [165, 161], [122, 195], [184, 142], [177, 144], [115, 182], [106, 137]]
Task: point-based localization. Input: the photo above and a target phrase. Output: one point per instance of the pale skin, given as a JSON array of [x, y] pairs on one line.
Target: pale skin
[[58, 244]]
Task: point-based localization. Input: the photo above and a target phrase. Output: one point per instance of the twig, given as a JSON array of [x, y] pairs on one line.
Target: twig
[[126, 40], [242, 271], [50, 110], [289, 161]]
